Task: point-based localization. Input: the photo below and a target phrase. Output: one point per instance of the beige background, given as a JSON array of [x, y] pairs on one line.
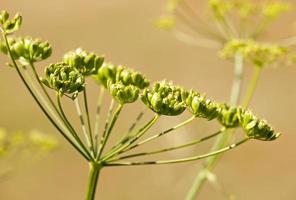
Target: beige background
[[123, 30]]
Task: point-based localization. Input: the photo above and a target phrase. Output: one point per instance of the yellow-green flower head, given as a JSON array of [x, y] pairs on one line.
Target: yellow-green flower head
[[85, 62], [164, 99], [259, 54], [127, 76], [64, 79], [220, 8], [27, 50], [10, 25], [123, 93], [228, 116], [200, 106], [274, 9], [256, 128]]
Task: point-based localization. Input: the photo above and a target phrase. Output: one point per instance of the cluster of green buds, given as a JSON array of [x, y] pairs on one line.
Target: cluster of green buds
[[164, 98], [274, 9], [124, 84], [255, 128], [259, 54], [27, 50], [10, 25], [64, 79], [200, 106], [86, 63]]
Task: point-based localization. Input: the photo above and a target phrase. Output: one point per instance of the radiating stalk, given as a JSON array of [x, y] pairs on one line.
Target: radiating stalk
[[170, 148], [162, 162]]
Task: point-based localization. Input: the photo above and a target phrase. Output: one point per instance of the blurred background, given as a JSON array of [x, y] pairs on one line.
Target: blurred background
[[124, 32]]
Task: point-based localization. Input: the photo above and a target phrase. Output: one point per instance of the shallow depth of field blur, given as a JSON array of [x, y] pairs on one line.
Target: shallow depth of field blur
[[124, 32]]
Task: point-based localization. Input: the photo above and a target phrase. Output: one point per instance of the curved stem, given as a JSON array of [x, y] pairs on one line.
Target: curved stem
[[94, 171], [39, 103], [223, 139], [170, 148], [162, 162]]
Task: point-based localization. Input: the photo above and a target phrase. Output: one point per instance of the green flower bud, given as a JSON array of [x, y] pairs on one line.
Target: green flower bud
[[228, 116], [122, 93], [200, 106], [64, 79], [86, 63], [110, 72], [105, 73], [130, 77], [27, 50], [10, 25], [256, 128], [164, 99]]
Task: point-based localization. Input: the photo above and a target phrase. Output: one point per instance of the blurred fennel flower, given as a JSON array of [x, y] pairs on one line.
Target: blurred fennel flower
[[257, 53]]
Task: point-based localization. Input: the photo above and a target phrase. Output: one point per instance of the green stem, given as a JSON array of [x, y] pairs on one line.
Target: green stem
[[161, 134], [139, 134], [97, 118], [162, 162], [223, 139], [170, 148], [110, 128], [87, 139], [94, 171], [88, 120], [252, 86], [70, 127]]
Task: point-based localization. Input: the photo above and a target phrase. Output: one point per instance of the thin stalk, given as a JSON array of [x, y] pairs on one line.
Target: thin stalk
[[130, 130], [88, 120], [54, 123], [94, 171], [87, 139], [170, 148], [97, 117], [43, 88], [110, 128], [162, 162], [161, 134], [139, 134], [252, 86], [223, 139], [68, 124]]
